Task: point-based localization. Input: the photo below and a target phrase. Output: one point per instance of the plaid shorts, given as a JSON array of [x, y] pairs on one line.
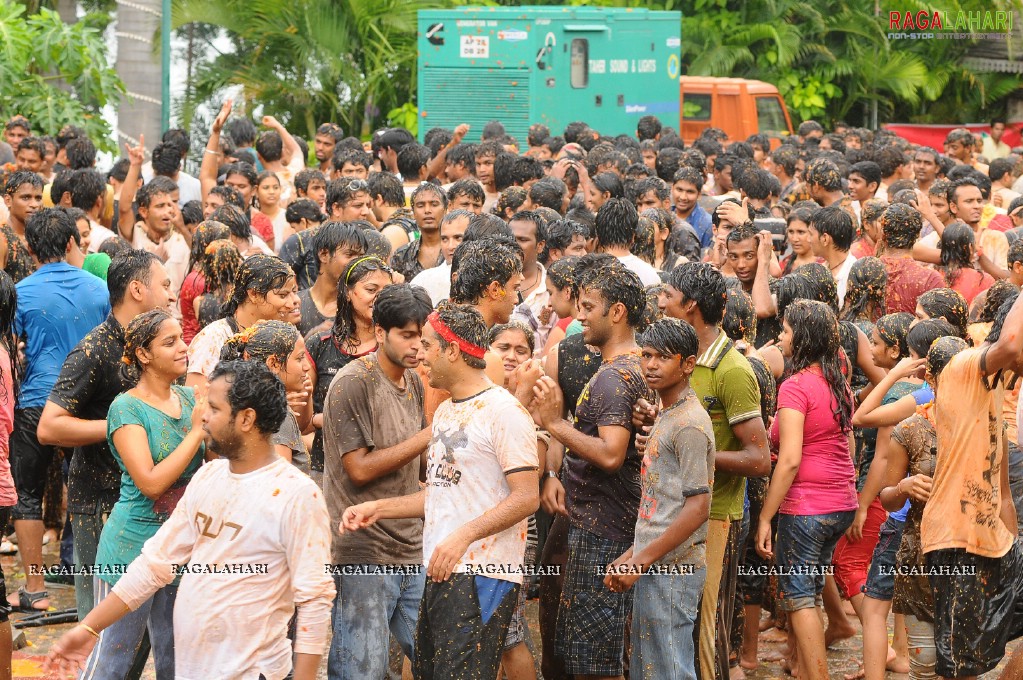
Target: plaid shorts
[[590, 634], [518, 629]]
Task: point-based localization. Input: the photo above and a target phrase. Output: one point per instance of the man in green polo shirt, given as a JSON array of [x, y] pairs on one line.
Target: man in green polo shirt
[[727, 388]]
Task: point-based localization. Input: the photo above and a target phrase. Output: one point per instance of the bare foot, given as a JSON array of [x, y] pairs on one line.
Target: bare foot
[[896, 664], [748, 665], [50, 537], [774, 635], [834, 634], [857, 675], [776, 655], [767, 624], [736, 673]]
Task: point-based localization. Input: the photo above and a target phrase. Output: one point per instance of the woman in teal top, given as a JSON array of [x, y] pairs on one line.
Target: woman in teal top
[[156, 436]]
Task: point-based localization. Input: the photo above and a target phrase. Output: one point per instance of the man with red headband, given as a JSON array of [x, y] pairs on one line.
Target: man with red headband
[[481, 485]]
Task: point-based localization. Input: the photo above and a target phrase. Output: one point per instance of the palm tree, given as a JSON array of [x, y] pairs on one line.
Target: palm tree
[[138, 64], [310, 61]]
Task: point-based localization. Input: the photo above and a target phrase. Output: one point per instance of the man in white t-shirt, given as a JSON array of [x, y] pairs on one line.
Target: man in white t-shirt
[[437, 280], [831, 236], [616, 224], [157, 206], [481, 485], [254, 533]]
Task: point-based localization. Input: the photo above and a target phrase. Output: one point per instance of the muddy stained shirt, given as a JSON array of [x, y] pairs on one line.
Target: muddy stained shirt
[[606, 504], [476, 443], [907, 281], [678, 464], [290, 435], [89, 381], [364, 409], [965, 504], [913, 593], [312, 318]]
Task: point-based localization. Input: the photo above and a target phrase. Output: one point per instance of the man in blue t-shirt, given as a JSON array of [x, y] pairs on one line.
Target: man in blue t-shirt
[[57, 306]]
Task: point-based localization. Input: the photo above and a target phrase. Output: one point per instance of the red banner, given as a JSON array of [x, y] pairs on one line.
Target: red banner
[[934, 135]]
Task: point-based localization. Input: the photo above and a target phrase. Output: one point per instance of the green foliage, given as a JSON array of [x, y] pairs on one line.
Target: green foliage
[[832, 58], [55, 73], [406, 116], [309, 61]]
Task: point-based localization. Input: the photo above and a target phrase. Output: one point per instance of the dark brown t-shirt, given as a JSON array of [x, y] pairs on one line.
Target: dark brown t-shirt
[[364, 409]]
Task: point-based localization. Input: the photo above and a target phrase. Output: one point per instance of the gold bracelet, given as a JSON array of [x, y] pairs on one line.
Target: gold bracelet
[[90, 629]]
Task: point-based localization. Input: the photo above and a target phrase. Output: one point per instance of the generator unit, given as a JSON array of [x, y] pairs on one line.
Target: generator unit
[[552, 65]]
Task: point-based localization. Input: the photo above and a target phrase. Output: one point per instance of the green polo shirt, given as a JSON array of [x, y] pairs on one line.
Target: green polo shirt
[[727, 387]]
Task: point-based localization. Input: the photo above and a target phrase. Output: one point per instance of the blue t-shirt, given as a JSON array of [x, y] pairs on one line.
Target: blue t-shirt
[[900, 515], [924, 395], [703, 225], [57, 306]]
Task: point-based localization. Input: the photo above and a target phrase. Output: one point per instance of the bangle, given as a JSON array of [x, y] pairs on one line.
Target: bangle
[[90, 629], [898, 487], [551, 474], [212, 152]]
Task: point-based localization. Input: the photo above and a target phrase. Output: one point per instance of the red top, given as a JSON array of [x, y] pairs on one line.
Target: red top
[[262, 225], [907, 281], [191, 288], [970, 283]]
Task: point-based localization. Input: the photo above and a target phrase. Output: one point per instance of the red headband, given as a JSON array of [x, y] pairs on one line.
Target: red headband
[[449, 336]]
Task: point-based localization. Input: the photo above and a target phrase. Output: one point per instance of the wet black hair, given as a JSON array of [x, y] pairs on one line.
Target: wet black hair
[[616, 223], [254, 386], [81, 153], [562, 274], [131, 265], [947, 304], [533, 217], [230, 195], [411, 159], [343, 154], [548, 193], [617, 284], [385, 186], [344, 322], [671, 337], [868, 170], [1000, 316], [259, 273], [868, 282], [20, 177], [158, 186], [140, 333], [740, 320], [478, 263], [235, 219], [467, 187], [995, 296], [463, 154], [303, 208], [400, 304], [332, 235], [166, 159], [900, 226], [922, 335], [892, 328], [270, 146], [466, 322], [264, 339], [957, 243], [941, 353], [836, 223], [704, 284], [816, 340], [426, 188], [48, 231], [87, 187], [486, 225], [526, 331]]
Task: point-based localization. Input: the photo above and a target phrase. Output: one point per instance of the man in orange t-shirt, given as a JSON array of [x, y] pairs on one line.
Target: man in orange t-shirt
[[968, 532]]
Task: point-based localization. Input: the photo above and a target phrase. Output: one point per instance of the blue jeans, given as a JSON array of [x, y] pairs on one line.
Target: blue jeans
[[803, 552], [663, 614], [115, 652], [367, 611]]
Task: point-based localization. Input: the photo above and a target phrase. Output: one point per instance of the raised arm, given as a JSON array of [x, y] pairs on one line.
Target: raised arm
[[211, 155], [125, 209]]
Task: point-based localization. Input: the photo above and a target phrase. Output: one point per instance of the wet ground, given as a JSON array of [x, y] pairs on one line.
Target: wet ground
[[842, 658]]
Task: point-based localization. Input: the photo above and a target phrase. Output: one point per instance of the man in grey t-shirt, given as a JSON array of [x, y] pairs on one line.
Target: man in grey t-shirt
[[374, 434], [667, 562]]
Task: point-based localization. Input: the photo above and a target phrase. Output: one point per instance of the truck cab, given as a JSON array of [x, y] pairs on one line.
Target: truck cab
[[738, 106]]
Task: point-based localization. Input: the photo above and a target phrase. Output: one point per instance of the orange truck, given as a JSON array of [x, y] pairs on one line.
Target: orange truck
[[738, 106]]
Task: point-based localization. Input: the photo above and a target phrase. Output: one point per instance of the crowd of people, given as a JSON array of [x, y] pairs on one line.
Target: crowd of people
[[364, 406]]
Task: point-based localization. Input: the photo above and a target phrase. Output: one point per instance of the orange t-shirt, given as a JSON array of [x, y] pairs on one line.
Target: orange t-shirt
[[965, 504]]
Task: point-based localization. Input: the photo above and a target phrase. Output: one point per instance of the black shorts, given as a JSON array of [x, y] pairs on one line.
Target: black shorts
[[975, 614], [5, 608], [454, 637], [29, 462]]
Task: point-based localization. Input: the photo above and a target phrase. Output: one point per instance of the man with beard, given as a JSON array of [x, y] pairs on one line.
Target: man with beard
[[247, 523], [374, 433]]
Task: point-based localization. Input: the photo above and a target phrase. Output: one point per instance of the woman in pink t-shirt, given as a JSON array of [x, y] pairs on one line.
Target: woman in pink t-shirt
[[8, 495], [813, 486]]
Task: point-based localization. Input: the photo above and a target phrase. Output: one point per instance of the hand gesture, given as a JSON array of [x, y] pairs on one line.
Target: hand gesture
[[524, 378], [460, 132], [137, 154], [447, 555], [764, 547], [642, 437], [359, 516], [765, 248], [549, 400], [225, 111], [908, 367], [623, 573], [198, 411], [271, 122], [297, 401], [552, 497], [918, 487], [69, 654], [643, 413], [734, 213], [855, 531]]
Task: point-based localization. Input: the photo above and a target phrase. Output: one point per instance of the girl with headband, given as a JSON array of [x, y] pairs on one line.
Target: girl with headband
[[351, 336]]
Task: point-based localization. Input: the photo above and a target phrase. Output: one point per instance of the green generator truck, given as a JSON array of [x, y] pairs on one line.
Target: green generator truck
[[551, 65]]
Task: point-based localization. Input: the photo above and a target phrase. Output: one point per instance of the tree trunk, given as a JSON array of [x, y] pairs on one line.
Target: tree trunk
[[68, 11], [138, 64]]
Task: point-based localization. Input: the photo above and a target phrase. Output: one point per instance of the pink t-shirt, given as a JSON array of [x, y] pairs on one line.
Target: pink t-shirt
[[826, 480], [8, 495]]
